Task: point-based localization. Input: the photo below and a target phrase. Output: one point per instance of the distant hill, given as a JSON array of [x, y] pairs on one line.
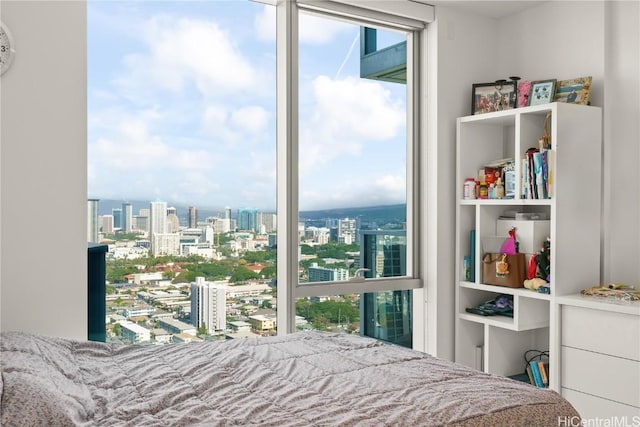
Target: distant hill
[[378, 214]]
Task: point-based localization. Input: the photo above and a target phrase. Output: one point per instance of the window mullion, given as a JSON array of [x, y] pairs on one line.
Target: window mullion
[[287, 161]]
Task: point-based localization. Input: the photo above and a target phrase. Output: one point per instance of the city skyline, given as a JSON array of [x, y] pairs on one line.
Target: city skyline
[[181, 107]]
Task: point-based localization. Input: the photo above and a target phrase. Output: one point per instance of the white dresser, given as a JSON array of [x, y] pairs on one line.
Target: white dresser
[[600, 357]]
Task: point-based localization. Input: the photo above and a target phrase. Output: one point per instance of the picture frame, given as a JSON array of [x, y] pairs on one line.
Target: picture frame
[[495, 96], [542, 91], [573, 91], [523, 93]]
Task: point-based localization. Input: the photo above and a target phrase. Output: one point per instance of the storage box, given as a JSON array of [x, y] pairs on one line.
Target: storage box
[[530, 233]]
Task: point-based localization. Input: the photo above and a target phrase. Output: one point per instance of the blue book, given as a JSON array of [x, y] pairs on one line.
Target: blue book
[[472, 255], [535, 371]]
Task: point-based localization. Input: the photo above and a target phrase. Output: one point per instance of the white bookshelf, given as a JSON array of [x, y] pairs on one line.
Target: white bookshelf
[[574, 229]]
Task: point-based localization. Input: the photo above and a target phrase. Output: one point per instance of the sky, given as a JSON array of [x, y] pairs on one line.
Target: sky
[[181, 108]]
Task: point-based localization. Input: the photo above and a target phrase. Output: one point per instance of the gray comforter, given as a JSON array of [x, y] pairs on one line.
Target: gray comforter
[[303, 379]]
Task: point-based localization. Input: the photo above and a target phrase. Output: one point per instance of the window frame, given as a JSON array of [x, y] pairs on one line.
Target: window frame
[[394, 15]]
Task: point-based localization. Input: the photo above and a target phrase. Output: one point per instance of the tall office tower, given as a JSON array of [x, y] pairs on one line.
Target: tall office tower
[[385, 315], [227, 212], [209, 305], [193, 217], [107, 224], [117, 217], [165, 244], [347, 231], [172, 211], [248, 219], [269, 221], [92, 220], [173, 223], [127, 218], [157, 220]]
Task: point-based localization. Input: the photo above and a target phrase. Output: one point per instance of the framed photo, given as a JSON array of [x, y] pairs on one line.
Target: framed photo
[[490, 97], [542, 92], [574, 91], [523, 93]]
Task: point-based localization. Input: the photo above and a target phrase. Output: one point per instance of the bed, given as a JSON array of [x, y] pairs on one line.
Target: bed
[[302, 379]]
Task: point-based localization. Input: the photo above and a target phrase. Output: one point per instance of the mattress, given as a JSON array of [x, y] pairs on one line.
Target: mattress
[[302, 379]]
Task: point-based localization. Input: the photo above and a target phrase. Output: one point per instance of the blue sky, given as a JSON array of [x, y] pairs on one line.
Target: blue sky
[[181, 108]]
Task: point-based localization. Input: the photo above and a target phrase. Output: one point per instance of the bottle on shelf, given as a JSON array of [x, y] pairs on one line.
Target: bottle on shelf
[[499, 189], [469, 188], [483, 191]]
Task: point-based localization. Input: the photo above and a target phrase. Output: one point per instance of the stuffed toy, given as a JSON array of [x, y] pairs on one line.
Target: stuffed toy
[[534, 283], [543, 260]]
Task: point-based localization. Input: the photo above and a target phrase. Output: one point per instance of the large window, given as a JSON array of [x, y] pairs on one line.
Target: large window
[[242, 173], [348, 146]]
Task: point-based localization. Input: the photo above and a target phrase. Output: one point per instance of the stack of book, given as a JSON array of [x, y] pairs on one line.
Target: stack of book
[[538, 372], [537, 174]]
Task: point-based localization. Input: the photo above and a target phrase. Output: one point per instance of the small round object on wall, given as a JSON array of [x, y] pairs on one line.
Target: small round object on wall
[[7, 50]]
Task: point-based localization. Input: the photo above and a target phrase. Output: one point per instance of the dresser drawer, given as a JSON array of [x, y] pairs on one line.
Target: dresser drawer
[[617, 334], [600, 375], [592, 407]]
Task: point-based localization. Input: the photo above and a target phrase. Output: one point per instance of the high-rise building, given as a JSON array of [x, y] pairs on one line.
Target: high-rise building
[[158, 217], [248, 219], [209, 305], [157, 221], [172, 211], [92, 220], [385, 315], [165, 244], [107, 224], [268, 221], [193, 217], [117, 217], [227, 213], [173, 223], [126, 223], [323, 274], [347, 231]]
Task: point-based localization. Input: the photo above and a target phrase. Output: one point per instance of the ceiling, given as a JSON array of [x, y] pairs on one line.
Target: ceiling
[[491, 9]]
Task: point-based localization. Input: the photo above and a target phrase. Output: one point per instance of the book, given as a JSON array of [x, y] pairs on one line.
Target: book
[[472, 254], [526, 194], [540, 190], [531, 380], [535, 371], [551, 154], [543, 367]]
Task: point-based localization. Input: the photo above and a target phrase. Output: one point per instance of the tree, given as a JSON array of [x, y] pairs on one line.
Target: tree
[[117, 330], [242, 274], [202, 330]]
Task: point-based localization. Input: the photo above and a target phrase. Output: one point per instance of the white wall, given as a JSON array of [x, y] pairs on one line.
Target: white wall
[[458, 57], [556, 39], [43, 149], [621, 257], [567, 39]]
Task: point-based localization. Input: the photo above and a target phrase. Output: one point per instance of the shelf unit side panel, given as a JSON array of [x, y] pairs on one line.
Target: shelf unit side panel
[[576, 209]]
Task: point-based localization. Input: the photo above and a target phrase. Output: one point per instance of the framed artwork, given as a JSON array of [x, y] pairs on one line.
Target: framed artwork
[[574, 91], [523, 93], [542, 92], [490, 97]]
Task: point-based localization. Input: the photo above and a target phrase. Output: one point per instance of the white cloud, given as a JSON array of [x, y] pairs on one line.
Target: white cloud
[[188, 51], [252, 119], [348, 114], [312, 29]]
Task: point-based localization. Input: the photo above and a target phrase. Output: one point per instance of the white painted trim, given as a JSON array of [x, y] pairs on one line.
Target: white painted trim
[[287, 160]]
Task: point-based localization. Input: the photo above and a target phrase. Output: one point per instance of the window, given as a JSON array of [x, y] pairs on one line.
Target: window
[[347, 135], [207, 205]]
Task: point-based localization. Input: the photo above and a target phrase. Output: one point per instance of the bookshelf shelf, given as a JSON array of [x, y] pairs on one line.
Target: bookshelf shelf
[[573, 212]]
